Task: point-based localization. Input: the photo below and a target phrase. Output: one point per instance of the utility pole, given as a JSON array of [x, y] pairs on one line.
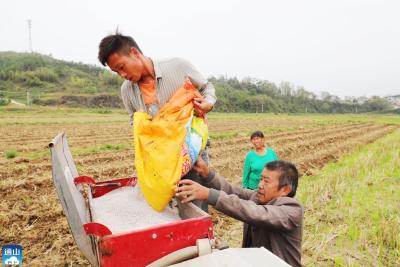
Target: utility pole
[[30, 34], [262, 107], [355, 102], [28, 98]]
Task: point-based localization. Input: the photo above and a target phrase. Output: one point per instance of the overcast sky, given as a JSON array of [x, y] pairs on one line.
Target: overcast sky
[[345, 47]]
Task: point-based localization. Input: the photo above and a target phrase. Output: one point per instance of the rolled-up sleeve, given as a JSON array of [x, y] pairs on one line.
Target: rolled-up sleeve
[[206, 88]]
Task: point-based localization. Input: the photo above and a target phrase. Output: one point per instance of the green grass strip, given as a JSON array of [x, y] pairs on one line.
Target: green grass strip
[[352, 215]]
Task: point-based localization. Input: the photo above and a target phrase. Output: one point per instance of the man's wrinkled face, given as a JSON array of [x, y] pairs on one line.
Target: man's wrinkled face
[[128, 66], [268, 186]]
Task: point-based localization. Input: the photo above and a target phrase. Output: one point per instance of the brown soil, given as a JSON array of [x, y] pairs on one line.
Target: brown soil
[[31, 214]]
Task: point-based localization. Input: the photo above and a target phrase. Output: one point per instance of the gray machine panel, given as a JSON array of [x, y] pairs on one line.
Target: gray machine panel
[[236, 257], [73, 203]]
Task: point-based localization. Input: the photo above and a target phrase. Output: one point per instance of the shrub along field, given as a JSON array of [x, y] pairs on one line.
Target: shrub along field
[[350, 184]]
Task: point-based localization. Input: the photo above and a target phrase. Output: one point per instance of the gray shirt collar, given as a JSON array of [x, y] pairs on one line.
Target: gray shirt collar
[[157, 71]]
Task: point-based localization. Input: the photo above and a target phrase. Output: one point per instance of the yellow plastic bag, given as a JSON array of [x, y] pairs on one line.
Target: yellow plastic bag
[[163, 148]]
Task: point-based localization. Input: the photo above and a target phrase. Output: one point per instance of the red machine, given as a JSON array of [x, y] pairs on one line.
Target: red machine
[[99, 215], [113, 245]]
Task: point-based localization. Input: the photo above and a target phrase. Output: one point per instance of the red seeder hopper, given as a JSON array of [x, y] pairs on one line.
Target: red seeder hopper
[[99, 216]]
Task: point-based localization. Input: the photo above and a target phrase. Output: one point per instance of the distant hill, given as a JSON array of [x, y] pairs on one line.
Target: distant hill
[[48, 79], [43, 80], [253, 95], [24, 71]]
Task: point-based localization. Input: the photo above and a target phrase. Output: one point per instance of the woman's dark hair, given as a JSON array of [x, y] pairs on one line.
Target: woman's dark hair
[[257, 134], [288, 174], [116, 43]]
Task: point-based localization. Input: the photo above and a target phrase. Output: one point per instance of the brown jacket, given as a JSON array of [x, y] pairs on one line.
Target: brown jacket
[[277, 225]]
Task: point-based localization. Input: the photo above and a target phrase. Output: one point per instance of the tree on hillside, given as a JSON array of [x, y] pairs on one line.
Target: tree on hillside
[[377, 103]]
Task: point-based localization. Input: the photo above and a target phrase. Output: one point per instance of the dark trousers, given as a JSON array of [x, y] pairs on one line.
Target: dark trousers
[[194, 176], [246, 242]]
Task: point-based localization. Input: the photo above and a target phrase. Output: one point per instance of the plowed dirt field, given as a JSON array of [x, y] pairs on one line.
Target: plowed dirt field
[[31, 214]]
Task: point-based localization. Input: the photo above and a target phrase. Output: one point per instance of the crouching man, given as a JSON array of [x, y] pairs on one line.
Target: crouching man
[[274, 216]]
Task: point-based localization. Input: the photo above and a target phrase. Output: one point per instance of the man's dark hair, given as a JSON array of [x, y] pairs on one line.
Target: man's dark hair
[[288, 174], [257, 134], [116, 43]]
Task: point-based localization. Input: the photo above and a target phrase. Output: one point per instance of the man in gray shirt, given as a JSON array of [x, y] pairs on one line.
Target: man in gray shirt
[[274, 216], [150, 83]]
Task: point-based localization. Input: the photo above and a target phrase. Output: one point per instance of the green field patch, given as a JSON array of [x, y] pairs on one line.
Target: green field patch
[[113, 147], [10, 154], [317, 119], [34, 115], [37, 155], [266, 131], [272, 130], [38, 115], [352, 214], [99, 149], [77, 151], [223, 135]]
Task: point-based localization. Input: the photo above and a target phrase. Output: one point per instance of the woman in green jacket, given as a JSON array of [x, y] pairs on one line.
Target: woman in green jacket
[[256, 160]]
